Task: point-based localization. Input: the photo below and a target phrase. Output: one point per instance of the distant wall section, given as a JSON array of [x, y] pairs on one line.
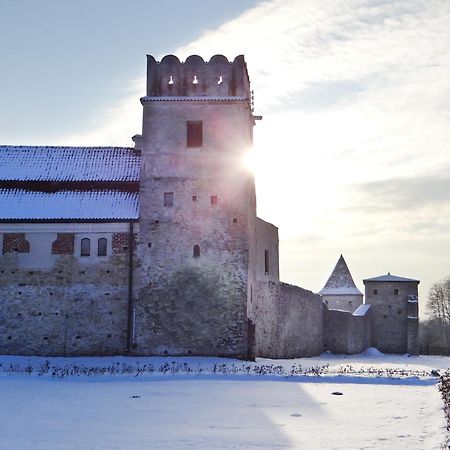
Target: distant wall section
[[288, 321], [345, 332], [394, 315], [267, 260]]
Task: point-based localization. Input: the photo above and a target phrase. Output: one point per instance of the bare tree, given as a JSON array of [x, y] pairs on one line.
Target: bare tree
[[439, 304]]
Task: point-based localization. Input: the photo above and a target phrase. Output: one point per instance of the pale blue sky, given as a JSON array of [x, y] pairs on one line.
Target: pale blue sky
[[63, 60], [353, 152]]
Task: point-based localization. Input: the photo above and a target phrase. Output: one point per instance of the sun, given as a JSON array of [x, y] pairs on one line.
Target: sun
[[250, 161]]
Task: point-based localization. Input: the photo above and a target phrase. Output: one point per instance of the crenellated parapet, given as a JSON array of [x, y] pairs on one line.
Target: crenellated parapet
[[197, 78]]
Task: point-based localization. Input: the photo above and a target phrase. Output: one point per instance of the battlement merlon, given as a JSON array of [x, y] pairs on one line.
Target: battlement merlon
[[218, 78]]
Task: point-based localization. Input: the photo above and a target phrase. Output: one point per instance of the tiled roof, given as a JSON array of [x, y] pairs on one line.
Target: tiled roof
[[19, 204], [340, 281], [390, 277], [205, 98], [23, 163]]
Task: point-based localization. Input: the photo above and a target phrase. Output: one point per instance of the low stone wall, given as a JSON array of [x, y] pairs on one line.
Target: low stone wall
[[73, 309], [288, 319], [345, 332]]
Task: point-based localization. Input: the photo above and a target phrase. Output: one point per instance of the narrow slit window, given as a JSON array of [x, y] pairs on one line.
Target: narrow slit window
[[266, 261], [168, 198], [196, 251], [194, 130], [85, 247], [102, 247]]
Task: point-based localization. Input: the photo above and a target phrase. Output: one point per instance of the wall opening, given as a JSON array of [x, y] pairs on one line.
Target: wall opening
[[85, 247], [102, 249], [213, 199], [168, 199], [196, 251], [194, 131], [266, 261]]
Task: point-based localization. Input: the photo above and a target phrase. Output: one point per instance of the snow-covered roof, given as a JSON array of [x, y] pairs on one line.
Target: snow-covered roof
[[26, 163], [340, 281], [361, 310], [19, 204], [205, 98], [389, 277]]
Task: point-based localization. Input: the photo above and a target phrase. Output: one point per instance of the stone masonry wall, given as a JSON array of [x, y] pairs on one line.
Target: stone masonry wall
[[288, 319], [389, 302], [195, 197], [75, 307], [190, 304], [348, 303], [345, 332]]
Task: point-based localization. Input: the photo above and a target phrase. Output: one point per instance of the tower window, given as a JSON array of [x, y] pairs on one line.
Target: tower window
[[85, 247], [375, 292], [396, 291], [213, 199], [194, 198], [266, 261], [194, 133], [168, 198], [102, 247], [196, 251]]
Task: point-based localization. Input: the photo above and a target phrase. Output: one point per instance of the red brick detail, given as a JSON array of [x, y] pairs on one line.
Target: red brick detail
[[15, 243], [64, 244], [120, 243]]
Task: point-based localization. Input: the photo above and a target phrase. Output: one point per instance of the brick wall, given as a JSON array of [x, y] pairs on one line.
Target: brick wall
[[15, 242], [120, 243], [64, 244]]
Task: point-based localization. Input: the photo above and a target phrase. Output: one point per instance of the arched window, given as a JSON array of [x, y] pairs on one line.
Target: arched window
[[196, 251], [102, 247], [85, 247]]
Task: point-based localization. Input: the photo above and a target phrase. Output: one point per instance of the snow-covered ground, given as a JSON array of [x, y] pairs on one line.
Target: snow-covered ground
[[213, 403]]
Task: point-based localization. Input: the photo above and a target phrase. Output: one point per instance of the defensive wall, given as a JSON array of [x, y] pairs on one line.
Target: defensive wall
[[54, 302], [346, 332]]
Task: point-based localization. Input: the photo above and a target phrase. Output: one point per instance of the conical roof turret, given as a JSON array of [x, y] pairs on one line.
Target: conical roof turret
[[340, 281]]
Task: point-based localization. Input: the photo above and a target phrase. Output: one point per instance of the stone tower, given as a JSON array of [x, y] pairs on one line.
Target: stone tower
[[197, 209], [395, 313], [340, 291]]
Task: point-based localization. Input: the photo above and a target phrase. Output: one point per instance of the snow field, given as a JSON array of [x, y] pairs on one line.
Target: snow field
[[222, 412]]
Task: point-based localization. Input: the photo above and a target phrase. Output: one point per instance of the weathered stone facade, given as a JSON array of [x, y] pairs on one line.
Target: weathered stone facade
[[346, 332], [197, 210], [75, 306], [289, 321], [395, 313]]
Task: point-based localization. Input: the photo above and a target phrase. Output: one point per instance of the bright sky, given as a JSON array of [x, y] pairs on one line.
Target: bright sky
[[354, 148]]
